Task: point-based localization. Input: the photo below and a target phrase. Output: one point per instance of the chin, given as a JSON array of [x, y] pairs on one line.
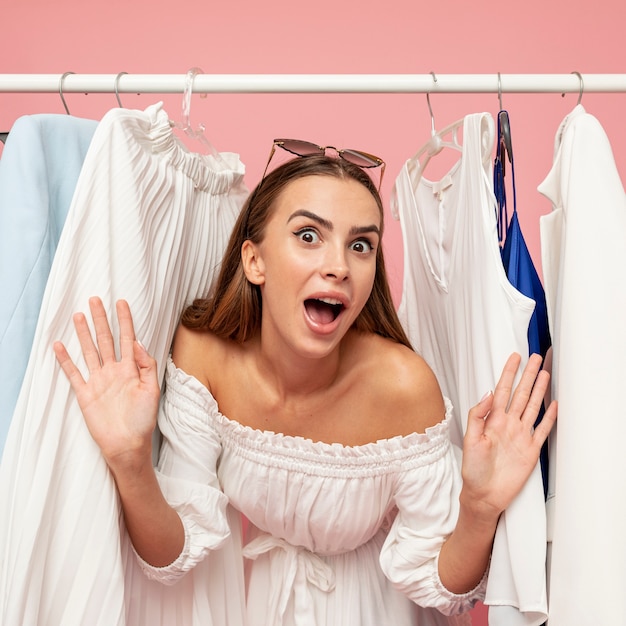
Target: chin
[[319, 347]]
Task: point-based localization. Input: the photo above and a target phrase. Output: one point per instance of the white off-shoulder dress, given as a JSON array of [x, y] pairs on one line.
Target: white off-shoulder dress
[[337, 534]]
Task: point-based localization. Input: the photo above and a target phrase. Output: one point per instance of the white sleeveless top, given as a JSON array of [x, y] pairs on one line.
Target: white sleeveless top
[[465, 319]]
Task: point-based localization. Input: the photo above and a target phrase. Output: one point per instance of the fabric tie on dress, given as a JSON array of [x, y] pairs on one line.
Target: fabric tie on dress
[[298, 567]]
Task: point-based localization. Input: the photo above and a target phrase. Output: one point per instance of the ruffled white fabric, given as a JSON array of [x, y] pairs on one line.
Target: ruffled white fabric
[[338, 534], [187, 476]]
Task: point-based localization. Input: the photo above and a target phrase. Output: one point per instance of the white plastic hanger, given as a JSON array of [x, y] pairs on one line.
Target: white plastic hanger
[[186, 126], [445, 138]]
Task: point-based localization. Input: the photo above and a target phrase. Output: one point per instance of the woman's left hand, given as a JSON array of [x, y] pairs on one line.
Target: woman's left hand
[[501, 445]]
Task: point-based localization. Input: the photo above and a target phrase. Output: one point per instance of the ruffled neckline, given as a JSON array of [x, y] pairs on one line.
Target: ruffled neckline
[[401, 445]]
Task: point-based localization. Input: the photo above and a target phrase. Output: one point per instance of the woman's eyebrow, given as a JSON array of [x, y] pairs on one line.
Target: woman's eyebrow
[[328, 225], [364, 230]]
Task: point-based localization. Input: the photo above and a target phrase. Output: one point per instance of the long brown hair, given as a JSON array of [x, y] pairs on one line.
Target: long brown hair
[[233, 308]]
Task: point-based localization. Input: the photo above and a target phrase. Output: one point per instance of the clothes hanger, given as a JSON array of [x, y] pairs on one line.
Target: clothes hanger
[[437, 142], [504, 150], [581, 87], [3, 136], [61, 91], [438, 139], [503, 120], [186, 126], [117, 87]]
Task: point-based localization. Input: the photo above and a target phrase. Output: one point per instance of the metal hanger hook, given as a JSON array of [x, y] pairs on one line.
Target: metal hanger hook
[[61, 90], [581, 87], [117, 86], [500, 91], [430, 108]]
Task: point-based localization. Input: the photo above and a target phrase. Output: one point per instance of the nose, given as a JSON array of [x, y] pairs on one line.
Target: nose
[[336, 264]]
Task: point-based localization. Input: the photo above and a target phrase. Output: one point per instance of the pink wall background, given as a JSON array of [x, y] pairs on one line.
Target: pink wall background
[[327, 36]]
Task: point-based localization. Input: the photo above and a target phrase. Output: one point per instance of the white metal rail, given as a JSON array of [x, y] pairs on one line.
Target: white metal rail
[[313, 83]]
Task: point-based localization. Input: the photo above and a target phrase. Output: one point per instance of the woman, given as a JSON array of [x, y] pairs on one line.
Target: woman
[[319, 422]]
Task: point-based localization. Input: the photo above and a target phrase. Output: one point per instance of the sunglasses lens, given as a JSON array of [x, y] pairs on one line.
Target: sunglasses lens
[[361, 159], [299, 147], [307, 148]]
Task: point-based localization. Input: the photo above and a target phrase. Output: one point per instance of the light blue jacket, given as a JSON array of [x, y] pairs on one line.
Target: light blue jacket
[[40, 165]]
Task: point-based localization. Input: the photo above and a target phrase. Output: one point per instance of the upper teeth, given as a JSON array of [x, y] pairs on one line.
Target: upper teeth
[[331, 301]]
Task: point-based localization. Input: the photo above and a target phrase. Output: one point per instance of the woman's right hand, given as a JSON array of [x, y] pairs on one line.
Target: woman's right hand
[[120, 399]]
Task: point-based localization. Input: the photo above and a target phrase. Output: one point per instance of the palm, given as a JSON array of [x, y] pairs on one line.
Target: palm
[[119, 400], [501, 447]]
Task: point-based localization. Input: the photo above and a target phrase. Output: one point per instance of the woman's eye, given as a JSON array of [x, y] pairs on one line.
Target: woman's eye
[[362, 245], [308, 235]]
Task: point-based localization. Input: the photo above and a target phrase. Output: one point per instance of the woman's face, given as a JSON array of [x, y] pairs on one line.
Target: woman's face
[[316, 263]]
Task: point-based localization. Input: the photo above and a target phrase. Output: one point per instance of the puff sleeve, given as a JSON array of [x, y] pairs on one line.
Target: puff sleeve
[[427, 499], [187, 472]]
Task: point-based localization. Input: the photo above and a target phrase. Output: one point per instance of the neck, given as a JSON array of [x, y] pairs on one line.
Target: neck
[[293, 375]]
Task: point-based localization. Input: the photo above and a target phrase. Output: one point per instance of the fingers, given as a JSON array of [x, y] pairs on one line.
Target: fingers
[[145, 363], [88, 347], [547, 422], [104, 336], [504, 387], [530, 410], [477, 415], [102, 350], [67, 365], [528, 397], [127, 330], [516, 401]]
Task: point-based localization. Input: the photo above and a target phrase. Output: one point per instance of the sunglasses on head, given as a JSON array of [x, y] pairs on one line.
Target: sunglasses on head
[[306, 148]]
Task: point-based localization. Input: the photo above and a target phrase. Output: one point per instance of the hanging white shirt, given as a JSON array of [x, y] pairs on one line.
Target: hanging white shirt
[[583, 243]]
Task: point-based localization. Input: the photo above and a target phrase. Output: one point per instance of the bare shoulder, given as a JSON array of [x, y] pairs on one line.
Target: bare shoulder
[[406, 388], [194, 351]]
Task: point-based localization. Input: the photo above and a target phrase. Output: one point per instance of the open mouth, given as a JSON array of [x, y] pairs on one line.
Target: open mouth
[[323, 310]]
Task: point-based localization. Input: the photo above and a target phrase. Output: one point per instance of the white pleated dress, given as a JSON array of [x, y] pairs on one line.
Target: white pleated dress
[[148, 222], [338, 535], [465, 318]]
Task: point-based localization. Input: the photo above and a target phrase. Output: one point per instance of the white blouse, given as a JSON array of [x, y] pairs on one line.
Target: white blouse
[[336, 534]]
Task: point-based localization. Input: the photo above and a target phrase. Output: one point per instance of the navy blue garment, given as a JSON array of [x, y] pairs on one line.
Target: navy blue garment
[[519, 265], [522, 274]]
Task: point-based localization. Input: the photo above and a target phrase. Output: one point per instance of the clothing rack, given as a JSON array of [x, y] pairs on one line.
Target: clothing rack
[[123, 82]]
